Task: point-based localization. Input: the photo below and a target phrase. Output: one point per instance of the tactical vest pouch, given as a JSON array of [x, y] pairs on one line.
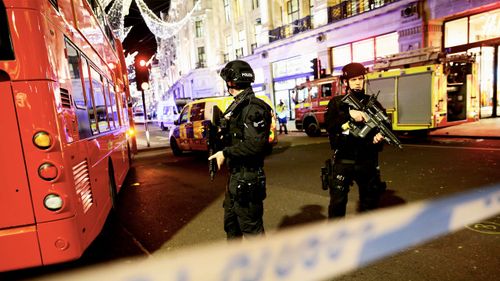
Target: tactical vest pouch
[[251, 187]]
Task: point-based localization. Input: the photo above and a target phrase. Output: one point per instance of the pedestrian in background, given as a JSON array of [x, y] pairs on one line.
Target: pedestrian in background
[[355, 158], [282, 114], [246, 135]]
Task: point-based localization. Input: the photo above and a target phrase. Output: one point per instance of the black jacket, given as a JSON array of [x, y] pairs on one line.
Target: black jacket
[[249, 126], [346, 145]]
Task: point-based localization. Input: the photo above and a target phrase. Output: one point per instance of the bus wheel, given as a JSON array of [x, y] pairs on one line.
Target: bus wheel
[[175, 148], [312, 129], [113, 193]]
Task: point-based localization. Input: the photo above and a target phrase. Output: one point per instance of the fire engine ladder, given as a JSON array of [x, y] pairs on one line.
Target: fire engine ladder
[[414, 58]]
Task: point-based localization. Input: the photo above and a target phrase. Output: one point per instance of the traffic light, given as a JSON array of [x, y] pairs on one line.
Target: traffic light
[[141, 74], [316, 65]]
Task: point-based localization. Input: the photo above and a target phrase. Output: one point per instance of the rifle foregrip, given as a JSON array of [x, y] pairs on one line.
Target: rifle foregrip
[[388, 134]]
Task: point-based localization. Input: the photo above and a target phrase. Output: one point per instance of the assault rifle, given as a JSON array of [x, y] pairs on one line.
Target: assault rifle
[[214, 141], [376, 118]]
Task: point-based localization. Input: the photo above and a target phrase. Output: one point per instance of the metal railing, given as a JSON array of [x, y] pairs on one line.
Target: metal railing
[[350, 8], [288, 30]]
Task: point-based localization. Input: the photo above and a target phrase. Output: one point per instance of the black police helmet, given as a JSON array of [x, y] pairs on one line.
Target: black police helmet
[[238, 71], [352, 69]]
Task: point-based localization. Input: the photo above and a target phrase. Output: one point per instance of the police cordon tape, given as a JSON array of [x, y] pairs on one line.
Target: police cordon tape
[[312, 252]]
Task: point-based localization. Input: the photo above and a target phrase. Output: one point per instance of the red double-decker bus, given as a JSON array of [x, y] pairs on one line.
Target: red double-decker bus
[[65, 151]]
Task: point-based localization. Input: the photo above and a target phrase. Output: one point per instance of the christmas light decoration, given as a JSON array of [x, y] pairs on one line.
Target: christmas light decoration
[[130, 58], [116, 17], [161, 29], [105, 3], [158, 27]]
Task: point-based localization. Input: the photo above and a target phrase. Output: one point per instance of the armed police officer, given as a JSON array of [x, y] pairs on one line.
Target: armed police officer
[[246, 133], [355, 158]]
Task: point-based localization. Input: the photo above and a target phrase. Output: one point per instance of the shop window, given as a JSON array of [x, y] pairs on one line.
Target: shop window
[[455, 33], [484, 26], [363, 51], [341, 55], [386, 45]]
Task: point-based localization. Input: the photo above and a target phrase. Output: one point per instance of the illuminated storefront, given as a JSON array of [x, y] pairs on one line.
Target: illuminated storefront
[[479, 34], [287, 74]]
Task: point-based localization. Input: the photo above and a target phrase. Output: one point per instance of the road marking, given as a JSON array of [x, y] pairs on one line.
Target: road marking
[[452, 147], [485, 227]]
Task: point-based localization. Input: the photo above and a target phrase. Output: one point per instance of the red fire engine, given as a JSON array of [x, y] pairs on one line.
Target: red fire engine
[[421, 90], [311, 100]]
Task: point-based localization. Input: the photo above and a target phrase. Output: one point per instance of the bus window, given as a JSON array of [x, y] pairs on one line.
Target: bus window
[[90, 98], [78, 93], [114, 110], [6, 50], [124, 111], [108, 90], [99, 101]]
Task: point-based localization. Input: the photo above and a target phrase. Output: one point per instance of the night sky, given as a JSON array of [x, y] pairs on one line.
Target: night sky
[[140, 38]]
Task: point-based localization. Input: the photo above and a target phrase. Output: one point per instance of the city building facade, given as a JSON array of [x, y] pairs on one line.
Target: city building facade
[[280, 38]]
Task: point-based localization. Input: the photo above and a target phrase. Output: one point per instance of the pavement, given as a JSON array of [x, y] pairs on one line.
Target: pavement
[[487, 128], [484, 128]]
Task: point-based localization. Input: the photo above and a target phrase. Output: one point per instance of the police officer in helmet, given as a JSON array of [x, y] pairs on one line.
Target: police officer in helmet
[[355, 158], [248, 121]]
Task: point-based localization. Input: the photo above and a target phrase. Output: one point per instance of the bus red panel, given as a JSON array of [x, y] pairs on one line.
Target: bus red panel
[[60, 240], [19, 248], [29, 63], [16, 208]]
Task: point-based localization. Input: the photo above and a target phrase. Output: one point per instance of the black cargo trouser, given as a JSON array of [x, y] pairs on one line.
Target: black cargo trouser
[[243, 203], [367, 177]]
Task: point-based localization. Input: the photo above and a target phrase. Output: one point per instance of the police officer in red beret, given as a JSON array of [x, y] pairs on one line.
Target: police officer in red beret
[[355, 158]]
